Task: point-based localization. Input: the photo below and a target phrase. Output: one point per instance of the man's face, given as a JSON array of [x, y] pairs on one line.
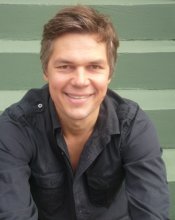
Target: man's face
[[78, 76]]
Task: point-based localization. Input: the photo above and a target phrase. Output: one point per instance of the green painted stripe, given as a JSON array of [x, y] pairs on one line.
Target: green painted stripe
[[89, 2], [164, 121], [168, 157], [22, 59], [132, 21], [147, 99], [134, 71], [20, 71], [146, 71], [135, 46]]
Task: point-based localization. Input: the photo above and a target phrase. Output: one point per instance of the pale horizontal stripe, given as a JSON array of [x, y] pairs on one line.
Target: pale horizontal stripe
[[89, 2], [169, 159], [12, 46], [147, 99], [9, 97], [151, 99], [145, 46]]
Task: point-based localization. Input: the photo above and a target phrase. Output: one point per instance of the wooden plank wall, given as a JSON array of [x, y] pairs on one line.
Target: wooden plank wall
[[145, 70]]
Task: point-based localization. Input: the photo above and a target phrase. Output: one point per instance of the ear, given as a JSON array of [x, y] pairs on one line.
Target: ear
[[109, 80], [45, 77]]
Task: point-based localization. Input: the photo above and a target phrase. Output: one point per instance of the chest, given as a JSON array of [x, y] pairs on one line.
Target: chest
[[102, 176], [75, 148]]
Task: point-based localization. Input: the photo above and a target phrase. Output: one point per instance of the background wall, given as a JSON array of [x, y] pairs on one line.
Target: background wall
[[146, 65]]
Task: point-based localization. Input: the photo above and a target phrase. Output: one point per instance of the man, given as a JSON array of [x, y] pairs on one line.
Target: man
[[75, 150]]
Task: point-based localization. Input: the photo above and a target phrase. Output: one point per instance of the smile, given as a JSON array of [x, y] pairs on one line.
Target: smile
[[78, 96], [78, 99]]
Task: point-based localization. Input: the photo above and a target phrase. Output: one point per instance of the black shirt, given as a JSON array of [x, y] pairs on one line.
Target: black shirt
[[120, 175]]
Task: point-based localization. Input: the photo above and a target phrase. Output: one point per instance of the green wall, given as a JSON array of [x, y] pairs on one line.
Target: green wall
[[145, 70]]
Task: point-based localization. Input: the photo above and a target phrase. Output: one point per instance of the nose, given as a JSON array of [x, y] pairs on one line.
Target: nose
[[80, 78]]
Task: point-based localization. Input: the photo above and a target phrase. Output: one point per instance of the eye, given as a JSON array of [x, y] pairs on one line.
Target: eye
[[64, 68], [95, 67]]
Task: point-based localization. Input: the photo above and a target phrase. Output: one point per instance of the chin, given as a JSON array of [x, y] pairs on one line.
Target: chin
[[78, 116]]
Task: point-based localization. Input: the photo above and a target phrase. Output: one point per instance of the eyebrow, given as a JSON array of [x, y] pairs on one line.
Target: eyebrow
[[64, 61], [98, 61]]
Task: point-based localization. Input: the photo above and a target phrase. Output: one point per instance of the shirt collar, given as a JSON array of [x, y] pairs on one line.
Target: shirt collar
[[108, 122], [54, 118]]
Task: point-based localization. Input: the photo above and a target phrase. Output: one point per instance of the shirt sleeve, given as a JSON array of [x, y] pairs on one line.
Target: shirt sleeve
[[15, 154], [146, 183]]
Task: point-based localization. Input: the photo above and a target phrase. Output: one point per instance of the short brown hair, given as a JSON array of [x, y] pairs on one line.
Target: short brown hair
[[79, 19]]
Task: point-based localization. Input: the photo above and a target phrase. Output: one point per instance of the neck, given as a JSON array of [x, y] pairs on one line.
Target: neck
[[71, 127], [76, 134], [77, 127]]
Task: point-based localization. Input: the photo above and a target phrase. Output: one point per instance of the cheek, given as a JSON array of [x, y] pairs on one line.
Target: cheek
[[102, 84], [54, 80], [101, 91], [54, 86]]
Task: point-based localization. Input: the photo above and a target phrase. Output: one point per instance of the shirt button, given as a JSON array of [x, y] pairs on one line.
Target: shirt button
[[40, 105]]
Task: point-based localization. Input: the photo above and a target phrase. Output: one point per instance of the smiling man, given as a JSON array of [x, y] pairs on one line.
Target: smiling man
[[78, 76], [74, 149]]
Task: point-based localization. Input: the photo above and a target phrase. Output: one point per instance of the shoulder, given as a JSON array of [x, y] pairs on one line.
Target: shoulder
[[131, 117], [125, 109], [17, 122], [138, 133], [34, 101]]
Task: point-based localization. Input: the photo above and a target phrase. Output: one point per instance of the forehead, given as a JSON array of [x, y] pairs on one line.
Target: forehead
[[75, 45], [79, 41]]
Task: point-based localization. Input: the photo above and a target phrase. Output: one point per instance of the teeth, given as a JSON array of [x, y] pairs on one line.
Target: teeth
[[77, 97]]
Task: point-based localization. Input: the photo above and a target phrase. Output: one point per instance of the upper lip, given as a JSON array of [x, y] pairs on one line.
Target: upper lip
[[78, 95]]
